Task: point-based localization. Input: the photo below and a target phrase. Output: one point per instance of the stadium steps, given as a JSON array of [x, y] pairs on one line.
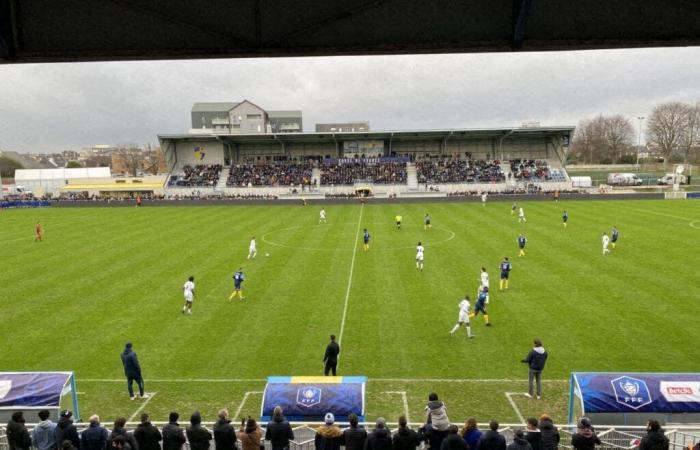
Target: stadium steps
[[316, 175], [411, 177], [223, 177]]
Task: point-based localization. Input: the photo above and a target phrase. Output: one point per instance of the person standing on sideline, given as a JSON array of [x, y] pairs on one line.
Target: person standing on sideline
[[65, 430], [37, 232], [533, 434], [585, 437], [132, 371], [484, 196], [471, 433], [278, 431], [197, 434], [535, 361], [95, 436], [405, 438], [492, 439], [330, 358], [519, 441], [549, 434], [328, 436], [173, 436], [17, 435]]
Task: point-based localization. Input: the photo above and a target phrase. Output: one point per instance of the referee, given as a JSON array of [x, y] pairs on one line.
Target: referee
[[331, 356]]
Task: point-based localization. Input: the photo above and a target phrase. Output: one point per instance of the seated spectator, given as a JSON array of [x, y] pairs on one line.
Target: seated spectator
[[199, 175], [519, 441], [197, 435], [492, 439], [549, 434], [354, 437], [585, 437], [655, 439], [453, 441], [380, 437], [250, 435], [278, 431], [406, 438], [471, 433], [328, 436]]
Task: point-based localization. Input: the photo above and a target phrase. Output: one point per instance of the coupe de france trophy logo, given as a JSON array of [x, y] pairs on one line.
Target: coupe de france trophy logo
[[631, 392], [309, 396]]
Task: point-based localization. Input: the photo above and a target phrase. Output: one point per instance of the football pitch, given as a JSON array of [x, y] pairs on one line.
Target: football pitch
[[104, 276]]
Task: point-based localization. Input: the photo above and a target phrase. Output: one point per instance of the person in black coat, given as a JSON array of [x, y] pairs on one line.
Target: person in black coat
[[132, 371], [278, 431], [147, 435], [533, 434], [453, 441], [379, 438], [198, 435], [65, 430], [549, 439], [224, 433], [355, 436], [173, 436], [492, 439], [120, 430], [95, 436], [585, 437], [655, 438], [330, 358], [519, 441], [405, 438], [17, 434], [535, 361]]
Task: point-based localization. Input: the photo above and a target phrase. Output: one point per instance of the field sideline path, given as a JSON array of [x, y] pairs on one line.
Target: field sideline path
[[352, 268]]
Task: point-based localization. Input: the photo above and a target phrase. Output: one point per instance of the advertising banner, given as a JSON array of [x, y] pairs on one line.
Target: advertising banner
[[32, 389]]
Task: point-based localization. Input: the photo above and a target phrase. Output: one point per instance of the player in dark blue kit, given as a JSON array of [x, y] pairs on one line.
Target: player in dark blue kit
[[365, 239], [615, 235], [505, 272], [426, 222], [522, 241], [481, 301], [565, 218], [238, 279]]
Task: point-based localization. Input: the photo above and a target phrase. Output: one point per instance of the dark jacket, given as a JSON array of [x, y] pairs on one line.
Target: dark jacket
[[405, 439], [354, 438], [491, 440], [279, 433], [224, 435], [328, 437], [332, 350], [128, 438], [454, 441], [549, 435], [536, 358], [519, 444], [584, 439], [173, 437], [66, 431], [472, 438], [534, 438], [148, 436], [199, 437], [18, 436], [379, 439], [131, 363], [654, 440], [94, 437]]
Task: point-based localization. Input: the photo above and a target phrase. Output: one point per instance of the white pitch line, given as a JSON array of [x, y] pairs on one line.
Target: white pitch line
[[405, 402], [262, 380], [179, 380], [509, 395], [352, 268], [240, 407], [143, 405], [458, 380]]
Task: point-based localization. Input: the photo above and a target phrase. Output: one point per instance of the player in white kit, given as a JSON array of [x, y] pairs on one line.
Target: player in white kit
[[188, 289], [484, 195], [252, 249], [484, 277], [420, 256], [606, 242], [322, 216], [521, 215], [463, 317]]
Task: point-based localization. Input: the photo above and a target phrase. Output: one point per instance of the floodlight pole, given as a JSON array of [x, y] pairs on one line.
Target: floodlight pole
[[639, 141]]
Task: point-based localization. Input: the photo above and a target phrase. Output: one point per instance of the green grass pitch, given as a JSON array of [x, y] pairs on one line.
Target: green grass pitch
[[104, 276]]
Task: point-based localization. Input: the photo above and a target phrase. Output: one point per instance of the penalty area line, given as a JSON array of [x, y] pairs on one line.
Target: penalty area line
[[245, 398], [509, 396], [352, 268], [143, 405]]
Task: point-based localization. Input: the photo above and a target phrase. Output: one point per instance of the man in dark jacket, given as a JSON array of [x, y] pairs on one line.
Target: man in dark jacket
[[95, 436], [279, 432], [147, 435], [519, 442], [330, 358], [492, 439], [585, 437], [198, 435], [65, 430], [453, 441], [17, 434], [173, 436], [328, 435], [355, 436], [132, 370], [405, 438], [533, 435], [224, 433], [535, 360], [655, 438], [380, 437], [120, 430], [549, 433]]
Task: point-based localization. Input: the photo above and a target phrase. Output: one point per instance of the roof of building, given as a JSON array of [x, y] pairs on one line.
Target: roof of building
[[283, 114], [214, 106]]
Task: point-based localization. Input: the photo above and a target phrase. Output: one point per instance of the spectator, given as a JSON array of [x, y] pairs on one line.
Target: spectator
[[17, 434], [519, 441], [328, 436], [471, 433], [224, 433], [535, 360], [655, 438], [250, 435], [436, 421], [278, 431], [68, 445], [379, 438], [585, 437], [173, 436], [198, 436], [119, 443], [147, 435], [94, 437], [65, 430], [533, 435], [43, 434], [132, 370], [355, 436], [492, 439], [330, 357], [405, 438], [120, 430], [453, 441], [549, 433]]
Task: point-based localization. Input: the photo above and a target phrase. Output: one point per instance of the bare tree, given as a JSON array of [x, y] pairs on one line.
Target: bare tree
[[691, 136], [667, 126], [602, 138], [618, 136], [588, 141], [130, 159]]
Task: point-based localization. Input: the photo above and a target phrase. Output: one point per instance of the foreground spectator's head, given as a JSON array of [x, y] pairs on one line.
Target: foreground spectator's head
[[43, 414], [277, 413], [144, 418], [403, 423], [172, 418], [120, 422], [94, 419], [493, 425], [250, 425], [67, 445], [452, 429], [545, 418], [519, 434], [653, 425], [585, 422], [66, 414], [432, 396], [531, 423], [196, 418], [381, 423], [118, 442], [329, 419], [18, 416], [223, 414], [470, 424], [352, 418]]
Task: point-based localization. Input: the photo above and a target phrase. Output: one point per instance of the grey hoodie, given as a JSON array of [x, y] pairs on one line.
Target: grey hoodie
[[43, 437], [536, 358], [436, 414]]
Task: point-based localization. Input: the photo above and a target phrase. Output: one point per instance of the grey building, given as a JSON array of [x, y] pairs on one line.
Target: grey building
[[285, 121], [343, 127], [229, 118]]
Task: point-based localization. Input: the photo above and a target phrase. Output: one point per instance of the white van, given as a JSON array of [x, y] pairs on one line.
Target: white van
[[668, 179], [624, 179]]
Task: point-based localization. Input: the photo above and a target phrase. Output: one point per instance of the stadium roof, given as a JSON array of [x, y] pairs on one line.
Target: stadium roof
[[80, 30]]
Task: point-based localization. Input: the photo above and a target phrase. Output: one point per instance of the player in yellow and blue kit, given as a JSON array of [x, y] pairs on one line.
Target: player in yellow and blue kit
[[615, 236], [522, 241], [398, 221], [365, 239], [505, 272], [238, 279], [481, 301], [565, 218], [426, 221]]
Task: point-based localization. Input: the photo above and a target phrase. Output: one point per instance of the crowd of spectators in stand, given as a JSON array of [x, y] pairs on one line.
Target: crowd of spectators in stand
[[459, 171], [346, 173], [275, 173], [199, 175], [534, 170]]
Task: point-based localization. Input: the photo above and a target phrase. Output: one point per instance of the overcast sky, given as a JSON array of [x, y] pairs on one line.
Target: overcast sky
[[47, 107]]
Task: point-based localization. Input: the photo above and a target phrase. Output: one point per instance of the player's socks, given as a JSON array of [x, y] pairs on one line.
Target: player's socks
[[471, 315], [469, 332], [486, 319], [506, 283], [501, 284], [233, 294], [455, 328]]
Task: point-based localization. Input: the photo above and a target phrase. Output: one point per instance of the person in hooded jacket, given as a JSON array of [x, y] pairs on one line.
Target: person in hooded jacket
[[471, 433], [328, 436], [198, 436], [533, 434], [379, 438], [279, 432], [655, 438], [173, 436], [250, 435], [519, 442], [436, 421], [95, 436], [17, 435], [147, 435], [535, 361], [132, 371], [585, 437], [65, 430], [355, 436], [549, 434], [492, 439], [43, 435], [405, 438], [120, 430], [224, 433], [453, 441]]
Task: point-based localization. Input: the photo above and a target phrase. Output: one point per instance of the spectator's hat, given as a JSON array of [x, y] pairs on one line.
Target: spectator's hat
[[329, 419], [66, 413]]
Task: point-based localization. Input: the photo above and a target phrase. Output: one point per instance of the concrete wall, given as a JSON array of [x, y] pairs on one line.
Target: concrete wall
[[213, 153]]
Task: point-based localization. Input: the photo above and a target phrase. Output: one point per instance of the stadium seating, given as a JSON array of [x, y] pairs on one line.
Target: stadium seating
[[346, 173], [197, 176], [270, 174], [459, 171], [535, 170]]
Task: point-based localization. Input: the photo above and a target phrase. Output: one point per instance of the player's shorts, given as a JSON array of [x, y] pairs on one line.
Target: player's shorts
[[398, 222], [522, 247], [237, 286], [565, 219], [427, 222], [463, 317], [419, 258], [480, 307], [504, 275], [614, 239], [189, 298], [366, 241], [252, 249]]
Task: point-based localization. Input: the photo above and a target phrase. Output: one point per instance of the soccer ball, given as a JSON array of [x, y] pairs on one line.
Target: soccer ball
[[267, 254]]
